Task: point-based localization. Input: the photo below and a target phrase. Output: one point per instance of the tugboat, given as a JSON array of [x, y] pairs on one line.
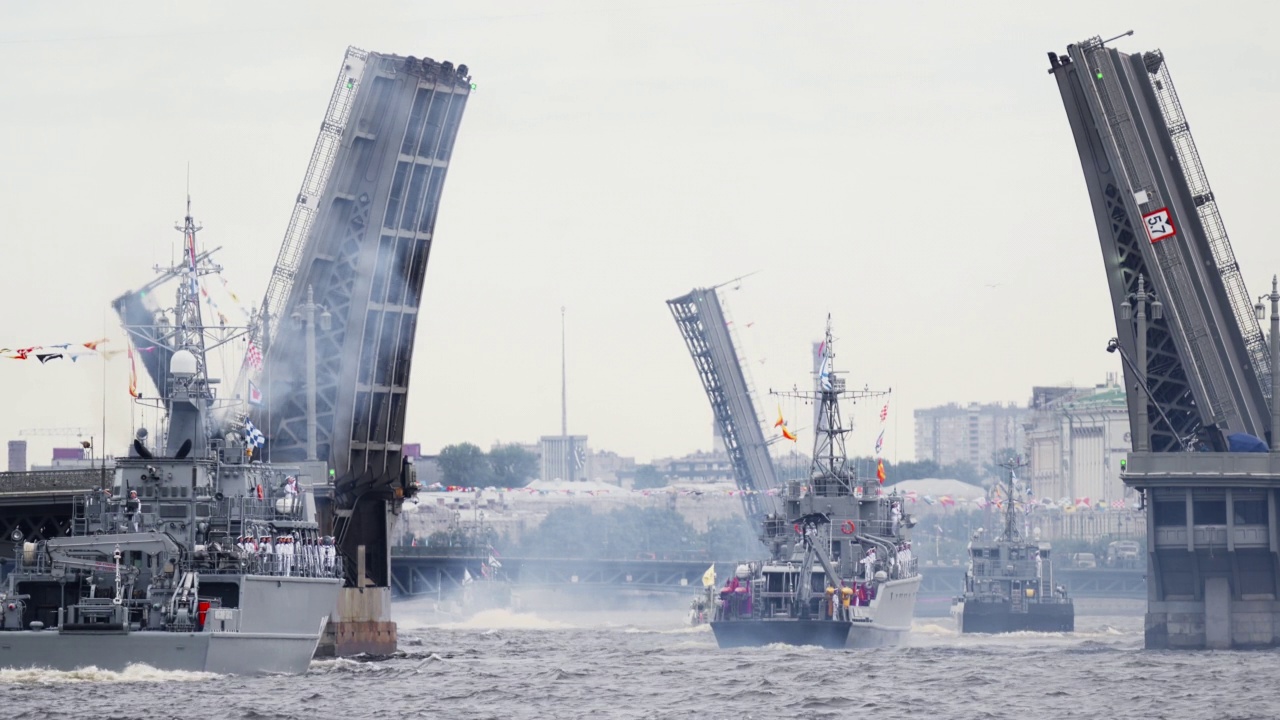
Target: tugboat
[[197, 557], [1008, 586], [840, 572]]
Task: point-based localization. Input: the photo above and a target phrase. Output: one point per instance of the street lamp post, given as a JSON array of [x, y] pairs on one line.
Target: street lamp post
[[1142, 433], [1260, 311], [305, 315]]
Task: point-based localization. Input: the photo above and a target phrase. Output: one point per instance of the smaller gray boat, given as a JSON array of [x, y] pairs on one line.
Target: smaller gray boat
[[1009, 586]]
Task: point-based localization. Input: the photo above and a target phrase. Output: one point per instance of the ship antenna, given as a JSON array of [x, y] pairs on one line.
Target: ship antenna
[[1010, 524]]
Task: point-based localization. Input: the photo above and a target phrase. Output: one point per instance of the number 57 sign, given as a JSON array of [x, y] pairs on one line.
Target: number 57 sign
[[1158, 224]]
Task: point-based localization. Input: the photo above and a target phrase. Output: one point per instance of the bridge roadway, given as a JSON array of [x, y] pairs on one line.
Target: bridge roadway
[[425, 571], [38, 503]]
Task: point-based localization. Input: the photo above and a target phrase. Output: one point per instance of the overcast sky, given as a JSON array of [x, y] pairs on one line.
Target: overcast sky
[[906, 167]]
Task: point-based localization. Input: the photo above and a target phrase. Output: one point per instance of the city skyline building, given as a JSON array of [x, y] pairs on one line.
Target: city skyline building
[[17, 456], [1075, 440], [972, 433]]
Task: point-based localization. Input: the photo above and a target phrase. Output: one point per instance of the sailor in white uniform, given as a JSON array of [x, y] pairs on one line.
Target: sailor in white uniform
[[868, 564]]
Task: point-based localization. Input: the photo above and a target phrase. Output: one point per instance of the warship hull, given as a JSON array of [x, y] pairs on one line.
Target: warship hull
[[222, 653], [274, 631], [886, 623], [993, 617]]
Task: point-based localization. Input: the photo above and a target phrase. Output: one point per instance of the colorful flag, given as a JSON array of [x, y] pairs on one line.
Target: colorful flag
[[880, 471], [133, 376], [255, 395], [788, 434], [709, 577], [884, 412], [252, 436], [253, 356], [879, 442], [780, 422]]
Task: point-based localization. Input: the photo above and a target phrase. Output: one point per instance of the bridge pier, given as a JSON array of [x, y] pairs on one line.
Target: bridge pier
[[1213, 539]]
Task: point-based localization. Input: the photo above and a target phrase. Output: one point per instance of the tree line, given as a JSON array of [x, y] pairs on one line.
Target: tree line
[[505, 466]]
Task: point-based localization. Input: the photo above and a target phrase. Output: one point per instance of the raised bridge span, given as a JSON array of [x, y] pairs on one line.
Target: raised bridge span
[[1198, 368]]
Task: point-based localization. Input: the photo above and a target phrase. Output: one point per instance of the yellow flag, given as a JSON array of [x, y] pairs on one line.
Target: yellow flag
[[709, 577]]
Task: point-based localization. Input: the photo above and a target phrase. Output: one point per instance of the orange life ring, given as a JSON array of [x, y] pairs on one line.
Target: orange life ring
[[848, 528]]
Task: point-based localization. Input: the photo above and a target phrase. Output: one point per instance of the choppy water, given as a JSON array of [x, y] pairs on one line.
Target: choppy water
[[646, 664]]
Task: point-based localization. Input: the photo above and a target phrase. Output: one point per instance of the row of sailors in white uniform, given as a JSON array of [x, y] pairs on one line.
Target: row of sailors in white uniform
[[321, 550], [902, 558]]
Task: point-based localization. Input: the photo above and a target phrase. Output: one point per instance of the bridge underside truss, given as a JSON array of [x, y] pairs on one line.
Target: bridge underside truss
[[366, 260], [706, 334], [1207, 360]]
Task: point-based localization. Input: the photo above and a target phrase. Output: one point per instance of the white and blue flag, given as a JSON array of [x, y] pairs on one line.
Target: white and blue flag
[[252, 436]]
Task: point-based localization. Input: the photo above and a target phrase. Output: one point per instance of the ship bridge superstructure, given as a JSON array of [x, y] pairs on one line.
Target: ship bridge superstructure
[[709, 337]]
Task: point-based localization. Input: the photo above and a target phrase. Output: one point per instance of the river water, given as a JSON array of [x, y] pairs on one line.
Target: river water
[[565, 662]]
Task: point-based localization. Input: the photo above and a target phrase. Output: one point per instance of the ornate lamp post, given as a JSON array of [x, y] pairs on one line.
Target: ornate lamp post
[[1142, 433], [1260, 311]]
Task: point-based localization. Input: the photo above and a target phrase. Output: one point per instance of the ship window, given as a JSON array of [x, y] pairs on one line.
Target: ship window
[[1209, 512], [1171, 514], [1250, 512]]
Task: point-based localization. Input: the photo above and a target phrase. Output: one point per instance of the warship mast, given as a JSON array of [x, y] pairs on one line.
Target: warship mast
[[189, 395], [829, 470], [1010, 516]]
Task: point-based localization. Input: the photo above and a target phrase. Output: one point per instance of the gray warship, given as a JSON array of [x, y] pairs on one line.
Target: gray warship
[[1008, 586], [197, 556], [840, 571]]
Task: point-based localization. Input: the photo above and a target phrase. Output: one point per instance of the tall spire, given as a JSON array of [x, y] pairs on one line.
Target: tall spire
[[564, 394]]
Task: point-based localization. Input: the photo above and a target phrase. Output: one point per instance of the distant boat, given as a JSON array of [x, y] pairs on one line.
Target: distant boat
[[1008, 586]]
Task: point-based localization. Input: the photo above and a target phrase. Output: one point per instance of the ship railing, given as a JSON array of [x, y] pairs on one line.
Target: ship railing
[[282, 565]]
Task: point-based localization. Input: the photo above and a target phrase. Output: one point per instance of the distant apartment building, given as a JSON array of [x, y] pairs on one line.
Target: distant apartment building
[[1075, 440], [970, 433], [17, 456], [698, 467], [74, 458], [610, 467]]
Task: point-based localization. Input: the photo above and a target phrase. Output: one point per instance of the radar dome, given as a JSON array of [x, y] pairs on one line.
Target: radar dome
[[183, 364]]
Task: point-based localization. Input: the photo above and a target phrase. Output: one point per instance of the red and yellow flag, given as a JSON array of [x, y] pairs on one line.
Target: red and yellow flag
[[782, 423], [133, 376], [880, 471]]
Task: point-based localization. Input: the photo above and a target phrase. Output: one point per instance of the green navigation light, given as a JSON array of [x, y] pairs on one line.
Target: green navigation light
[[1097, 74]]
